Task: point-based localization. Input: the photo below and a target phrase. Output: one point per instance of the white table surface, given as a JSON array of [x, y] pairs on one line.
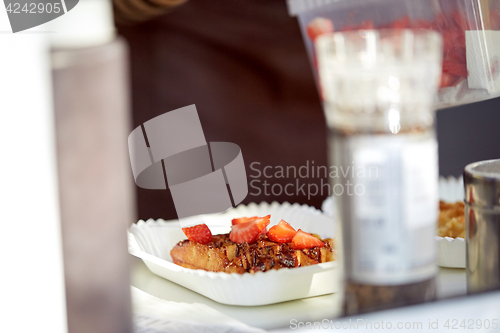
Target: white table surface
[[450, 282]]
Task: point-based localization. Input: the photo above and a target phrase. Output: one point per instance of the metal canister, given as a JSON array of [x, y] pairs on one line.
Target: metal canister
[[482, 219]]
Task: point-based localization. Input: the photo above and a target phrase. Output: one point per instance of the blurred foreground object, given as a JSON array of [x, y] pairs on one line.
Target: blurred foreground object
[[32, 280], [130, 11], [378, 88], [482, 223], [92, 124]]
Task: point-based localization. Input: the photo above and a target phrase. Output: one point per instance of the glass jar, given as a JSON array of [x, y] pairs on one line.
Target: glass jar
[[378, 88], [470, 30]]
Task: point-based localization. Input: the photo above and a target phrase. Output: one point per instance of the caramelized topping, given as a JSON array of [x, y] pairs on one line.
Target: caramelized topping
[[223, 255]]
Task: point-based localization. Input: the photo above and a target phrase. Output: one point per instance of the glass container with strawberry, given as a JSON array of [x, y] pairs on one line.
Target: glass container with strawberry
[[378, 88]]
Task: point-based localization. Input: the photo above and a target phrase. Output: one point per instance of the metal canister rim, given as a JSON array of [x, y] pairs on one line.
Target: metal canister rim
[[482, 184]]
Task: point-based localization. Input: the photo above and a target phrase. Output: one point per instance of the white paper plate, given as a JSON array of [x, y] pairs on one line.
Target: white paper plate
[[152, 241], [450, 251]]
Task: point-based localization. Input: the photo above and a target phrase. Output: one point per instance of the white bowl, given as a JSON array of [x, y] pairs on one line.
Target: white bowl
[[152, 241]]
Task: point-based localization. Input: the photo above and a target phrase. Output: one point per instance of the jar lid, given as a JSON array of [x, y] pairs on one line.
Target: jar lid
[[482, 184], [296, 7]]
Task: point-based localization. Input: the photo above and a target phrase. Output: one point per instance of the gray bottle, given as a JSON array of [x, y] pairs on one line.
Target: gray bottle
[[91, 100]]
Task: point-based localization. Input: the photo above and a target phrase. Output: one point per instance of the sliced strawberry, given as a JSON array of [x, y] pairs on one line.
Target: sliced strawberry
[[303, 240], [199, 233], [241, 220], [282, 232], [319, 26], [249, 232], [247, 219]]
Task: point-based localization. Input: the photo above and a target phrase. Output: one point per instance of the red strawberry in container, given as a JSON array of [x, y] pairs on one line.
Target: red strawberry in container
[[457, 53], [319, 26], [455, 68], [315, 28], [447, 40]]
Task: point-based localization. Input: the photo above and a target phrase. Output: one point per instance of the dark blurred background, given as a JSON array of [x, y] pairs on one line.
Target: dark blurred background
[[244, 65]]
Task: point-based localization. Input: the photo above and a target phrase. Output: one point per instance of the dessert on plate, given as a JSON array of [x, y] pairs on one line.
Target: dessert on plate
[[249, 247], [451, 220]]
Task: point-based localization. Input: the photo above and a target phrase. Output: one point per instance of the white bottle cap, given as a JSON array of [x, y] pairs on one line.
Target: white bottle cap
[[89, 23]]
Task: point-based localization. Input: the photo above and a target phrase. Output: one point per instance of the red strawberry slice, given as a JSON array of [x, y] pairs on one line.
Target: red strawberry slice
[[455, 68], [245, 220], [199, 233], [249, 232], [241, 220], [303, 240], [281, 233], [319, 26]]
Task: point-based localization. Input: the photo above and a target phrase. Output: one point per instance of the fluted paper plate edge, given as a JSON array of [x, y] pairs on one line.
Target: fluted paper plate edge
[[451, 252]]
